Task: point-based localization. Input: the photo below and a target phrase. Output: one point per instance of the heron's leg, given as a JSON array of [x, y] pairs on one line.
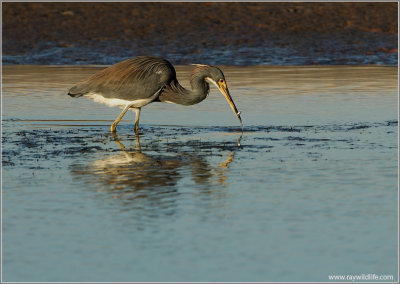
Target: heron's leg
[[137, 110], [114, 125]]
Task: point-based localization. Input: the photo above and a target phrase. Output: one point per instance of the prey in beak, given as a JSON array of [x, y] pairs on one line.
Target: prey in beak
[[221, 85]]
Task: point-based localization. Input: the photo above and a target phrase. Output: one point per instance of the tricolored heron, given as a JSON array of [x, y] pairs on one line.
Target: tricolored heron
[[136, 82]]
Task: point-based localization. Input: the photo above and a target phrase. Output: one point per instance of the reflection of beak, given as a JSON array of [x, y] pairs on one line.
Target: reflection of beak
[[224, 90]]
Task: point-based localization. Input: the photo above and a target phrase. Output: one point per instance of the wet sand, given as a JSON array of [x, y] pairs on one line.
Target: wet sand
[[213, 33]]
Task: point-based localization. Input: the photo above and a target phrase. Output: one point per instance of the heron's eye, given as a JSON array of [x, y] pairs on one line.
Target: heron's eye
[[220, 81]]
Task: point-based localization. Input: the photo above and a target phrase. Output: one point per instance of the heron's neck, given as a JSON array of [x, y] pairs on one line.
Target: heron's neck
[[177, 94]]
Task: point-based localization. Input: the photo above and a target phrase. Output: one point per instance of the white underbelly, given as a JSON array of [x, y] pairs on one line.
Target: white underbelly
[[98, 98]]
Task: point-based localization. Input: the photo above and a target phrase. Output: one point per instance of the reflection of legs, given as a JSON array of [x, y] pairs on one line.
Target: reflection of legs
[[114, 125], [137, 143], [137, 110], [116, 140]]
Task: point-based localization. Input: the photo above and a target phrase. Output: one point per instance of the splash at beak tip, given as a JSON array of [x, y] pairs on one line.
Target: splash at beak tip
[[240, 119]]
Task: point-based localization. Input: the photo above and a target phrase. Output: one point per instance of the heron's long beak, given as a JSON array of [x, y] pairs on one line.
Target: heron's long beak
[[224, 90]]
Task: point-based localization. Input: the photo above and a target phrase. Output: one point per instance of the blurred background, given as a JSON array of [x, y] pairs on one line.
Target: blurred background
[[210, 33]]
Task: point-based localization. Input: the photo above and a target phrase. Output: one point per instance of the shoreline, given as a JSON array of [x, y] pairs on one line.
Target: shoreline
[[224, 33]]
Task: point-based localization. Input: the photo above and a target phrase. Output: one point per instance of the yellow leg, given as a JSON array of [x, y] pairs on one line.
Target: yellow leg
[[120, 116]]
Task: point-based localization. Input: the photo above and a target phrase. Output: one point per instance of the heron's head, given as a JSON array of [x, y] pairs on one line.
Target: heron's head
[[215, 76]]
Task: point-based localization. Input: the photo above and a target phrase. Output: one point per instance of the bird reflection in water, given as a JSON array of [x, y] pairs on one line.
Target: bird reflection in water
[[134, 173]]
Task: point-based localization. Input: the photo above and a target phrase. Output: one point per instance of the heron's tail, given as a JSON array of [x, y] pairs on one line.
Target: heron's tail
[[74, 95], [75, 92]]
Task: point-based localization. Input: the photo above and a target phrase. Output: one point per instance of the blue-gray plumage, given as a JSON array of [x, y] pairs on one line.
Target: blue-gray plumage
[[136, 82]]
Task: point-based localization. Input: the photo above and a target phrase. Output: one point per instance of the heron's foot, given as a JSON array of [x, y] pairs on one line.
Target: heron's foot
[[113, 128]]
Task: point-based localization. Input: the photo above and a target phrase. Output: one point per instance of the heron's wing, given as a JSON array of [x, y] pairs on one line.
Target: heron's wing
[[132, 79]]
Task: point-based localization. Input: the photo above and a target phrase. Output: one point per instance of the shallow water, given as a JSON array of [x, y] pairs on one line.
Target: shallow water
[[308, 190]]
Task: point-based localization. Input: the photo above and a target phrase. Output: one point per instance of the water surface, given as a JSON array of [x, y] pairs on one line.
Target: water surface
[[307, 190]]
